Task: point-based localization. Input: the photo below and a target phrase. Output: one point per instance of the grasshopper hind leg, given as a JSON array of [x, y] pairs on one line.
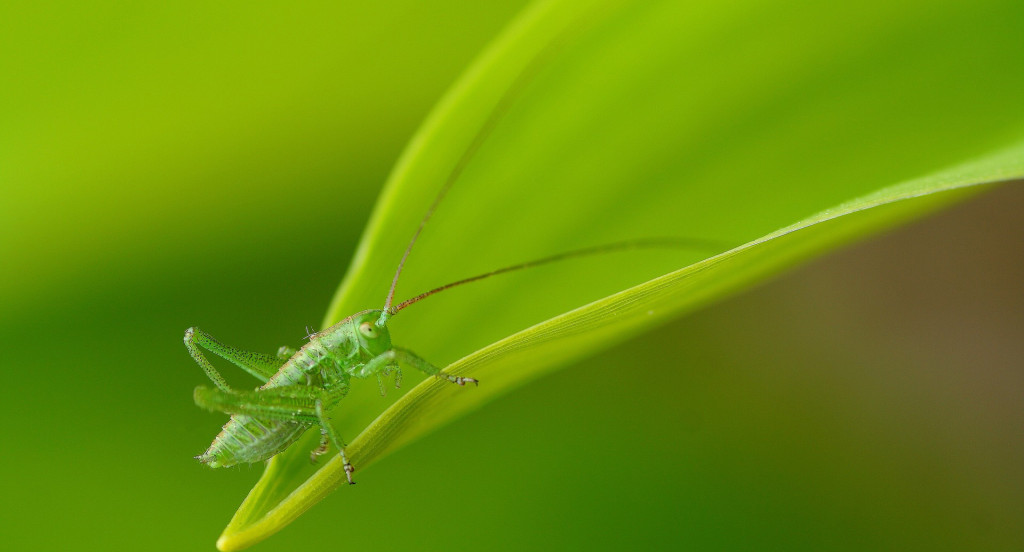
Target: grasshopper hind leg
[[262, 366]]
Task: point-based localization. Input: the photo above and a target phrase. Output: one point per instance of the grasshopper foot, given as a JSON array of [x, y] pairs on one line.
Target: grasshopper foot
[[348, 473], [458, 380]]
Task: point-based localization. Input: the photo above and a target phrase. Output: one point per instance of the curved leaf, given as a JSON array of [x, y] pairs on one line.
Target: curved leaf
[[586, 124]]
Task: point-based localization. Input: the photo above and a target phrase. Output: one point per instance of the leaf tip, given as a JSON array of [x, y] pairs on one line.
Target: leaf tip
[[228, 543]]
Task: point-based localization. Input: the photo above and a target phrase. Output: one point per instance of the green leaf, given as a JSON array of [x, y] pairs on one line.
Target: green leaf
[[588, 123]]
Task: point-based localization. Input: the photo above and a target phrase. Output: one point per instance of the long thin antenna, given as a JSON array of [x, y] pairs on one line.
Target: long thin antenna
[[595, 250], [492, 120]]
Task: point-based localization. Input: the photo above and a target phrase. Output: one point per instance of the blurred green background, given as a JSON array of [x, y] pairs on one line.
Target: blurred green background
[[167, 166]]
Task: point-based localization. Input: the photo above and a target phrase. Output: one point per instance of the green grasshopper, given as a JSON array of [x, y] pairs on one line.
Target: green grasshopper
[[301, 387]]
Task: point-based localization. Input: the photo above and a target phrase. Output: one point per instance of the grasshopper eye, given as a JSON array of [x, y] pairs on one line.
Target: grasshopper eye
[[368, 330]]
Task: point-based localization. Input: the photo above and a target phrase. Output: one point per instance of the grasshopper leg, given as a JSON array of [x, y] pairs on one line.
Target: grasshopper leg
[[292, 402], [397, 354], [289, 403], [332, 434], [322, 449], [258, 364]]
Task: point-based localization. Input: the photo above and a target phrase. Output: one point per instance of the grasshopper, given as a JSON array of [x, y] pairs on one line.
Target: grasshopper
[[301, 386]]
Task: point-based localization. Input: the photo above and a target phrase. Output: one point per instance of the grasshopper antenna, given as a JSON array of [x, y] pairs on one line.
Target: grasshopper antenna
[[492, 120], [678, 243], [500, 108], [485, 130], [386, 313]]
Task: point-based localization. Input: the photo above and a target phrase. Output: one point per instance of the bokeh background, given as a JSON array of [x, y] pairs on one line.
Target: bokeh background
[[166, 166]]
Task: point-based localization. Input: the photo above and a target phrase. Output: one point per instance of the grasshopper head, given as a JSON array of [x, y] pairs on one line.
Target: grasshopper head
[[373, 339]]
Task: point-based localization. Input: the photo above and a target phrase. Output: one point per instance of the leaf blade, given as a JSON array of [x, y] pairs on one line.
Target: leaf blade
[[441, 142], [433, 403]]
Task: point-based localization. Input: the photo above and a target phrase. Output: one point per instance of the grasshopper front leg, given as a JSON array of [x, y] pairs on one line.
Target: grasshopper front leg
[[397, 354]]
